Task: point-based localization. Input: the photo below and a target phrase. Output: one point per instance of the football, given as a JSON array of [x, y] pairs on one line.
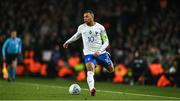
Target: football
[[74, 89]]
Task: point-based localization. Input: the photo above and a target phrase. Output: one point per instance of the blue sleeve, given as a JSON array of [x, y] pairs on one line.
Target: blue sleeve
[[20, 46], [5, 45]]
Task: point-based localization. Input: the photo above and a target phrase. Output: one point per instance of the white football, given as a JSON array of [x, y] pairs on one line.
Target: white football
[[74, 89]]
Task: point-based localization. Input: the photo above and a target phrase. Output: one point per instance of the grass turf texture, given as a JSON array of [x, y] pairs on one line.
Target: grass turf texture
[[57, 89]]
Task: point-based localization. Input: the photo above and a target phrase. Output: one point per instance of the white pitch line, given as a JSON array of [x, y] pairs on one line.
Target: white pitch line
[[136, 94]]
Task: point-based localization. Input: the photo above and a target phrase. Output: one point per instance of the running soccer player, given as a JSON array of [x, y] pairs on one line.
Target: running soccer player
[[10, 51], [95, 42]]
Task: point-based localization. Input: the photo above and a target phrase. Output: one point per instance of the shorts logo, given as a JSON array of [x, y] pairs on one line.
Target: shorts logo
[[108, 60]]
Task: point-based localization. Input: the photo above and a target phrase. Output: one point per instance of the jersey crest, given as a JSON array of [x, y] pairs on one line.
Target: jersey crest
[[90, 32]]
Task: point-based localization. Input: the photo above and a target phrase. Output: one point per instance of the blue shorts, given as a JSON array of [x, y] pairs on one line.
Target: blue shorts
[[103, 59]]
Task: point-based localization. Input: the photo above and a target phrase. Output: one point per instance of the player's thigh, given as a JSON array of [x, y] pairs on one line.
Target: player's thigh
[[90, 62], [111, 67], [14, 60], [106, 62], [9, 60], [14, 63], [90, 66]]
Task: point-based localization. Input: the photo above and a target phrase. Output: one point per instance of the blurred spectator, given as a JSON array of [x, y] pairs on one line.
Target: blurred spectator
[[53, 63], [139, 67]]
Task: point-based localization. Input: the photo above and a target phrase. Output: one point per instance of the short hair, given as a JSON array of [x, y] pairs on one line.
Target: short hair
[[88, 11], [12, 30]]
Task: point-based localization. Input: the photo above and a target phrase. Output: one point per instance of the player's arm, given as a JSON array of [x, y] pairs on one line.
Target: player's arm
[[76, 36], [20, 56], [4, 48], [105, 40], [20, 46]]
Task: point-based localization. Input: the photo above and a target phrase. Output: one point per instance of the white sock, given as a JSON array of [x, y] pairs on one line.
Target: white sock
[[90, 79]]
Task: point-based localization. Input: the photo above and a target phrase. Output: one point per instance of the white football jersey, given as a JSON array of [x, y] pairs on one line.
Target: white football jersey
[[94, 38]]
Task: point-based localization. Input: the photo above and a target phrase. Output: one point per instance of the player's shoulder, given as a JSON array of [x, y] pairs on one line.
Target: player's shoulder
[[17, 38], [100, 25], [82, 26], [8, 39]]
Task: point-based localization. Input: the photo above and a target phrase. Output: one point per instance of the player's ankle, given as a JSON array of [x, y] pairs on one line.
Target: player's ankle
[[93, 92]]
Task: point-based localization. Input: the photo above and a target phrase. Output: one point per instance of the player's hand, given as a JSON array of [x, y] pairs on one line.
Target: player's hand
[[96, 54], [65, 45]]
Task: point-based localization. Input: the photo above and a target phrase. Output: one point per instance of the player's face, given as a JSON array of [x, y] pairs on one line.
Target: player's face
[[88, 17], [13, 34]]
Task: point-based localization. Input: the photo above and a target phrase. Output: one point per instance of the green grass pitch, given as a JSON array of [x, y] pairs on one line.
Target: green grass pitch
[[57, 89]]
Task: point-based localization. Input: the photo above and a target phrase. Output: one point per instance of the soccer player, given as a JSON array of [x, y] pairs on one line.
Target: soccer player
[[95, 42], [10, 51]]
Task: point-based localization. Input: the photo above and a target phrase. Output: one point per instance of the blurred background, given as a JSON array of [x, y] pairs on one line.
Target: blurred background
[[144, 38]]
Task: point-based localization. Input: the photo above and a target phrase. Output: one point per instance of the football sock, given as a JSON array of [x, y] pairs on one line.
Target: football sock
[[90, 79], [9, 72], [14, 73]]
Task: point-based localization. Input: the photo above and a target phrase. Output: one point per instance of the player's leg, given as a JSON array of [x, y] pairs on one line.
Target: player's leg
[[111, 68], [90, 77], [90, 74], [104, 60], [14, 66], [9, 66], [90, 66], [9, 72]]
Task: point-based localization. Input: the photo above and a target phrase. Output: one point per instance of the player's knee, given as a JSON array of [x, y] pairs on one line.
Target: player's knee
[[111, 69], [90, 66], [14, 63]]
